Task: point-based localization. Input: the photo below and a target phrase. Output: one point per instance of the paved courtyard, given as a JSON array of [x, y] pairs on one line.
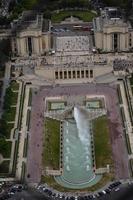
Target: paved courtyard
[[73, 43], [120, 156]]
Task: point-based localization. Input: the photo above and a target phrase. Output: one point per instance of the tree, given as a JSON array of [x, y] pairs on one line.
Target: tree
[[5, 51]]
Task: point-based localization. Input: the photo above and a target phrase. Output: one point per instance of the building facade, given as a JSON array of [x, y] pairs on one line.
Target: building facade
[[112, 33], [30, 35]]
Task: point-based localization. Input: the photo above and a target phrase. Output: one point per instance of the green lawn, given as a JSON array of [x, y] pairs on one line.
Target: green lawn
[[14, 98], [11, 97], [131, 83], [23, 171], [30, 97], [14, 85], [51, 153], [103, 154], [25, 147], [10, 126], [10, 100], [5, 148], [129, 150], [131, 166], [28, 120], [131, 80], [29, 4], [9, 115], [86, 16], [4, 166], [119, 94], [5, 128], [2, 72]]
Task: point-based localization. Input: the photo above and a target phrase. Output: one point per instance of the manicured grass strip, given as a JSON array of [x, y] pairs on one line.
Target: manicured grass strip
[[128, 144], [131, 166], [131, 80], [9, 115], [5, 148], [2, 72], [9, 127], [4, 166], [14, 98], [15, 157], [1, 86], [119, 94], [29, 4], [23, 171], [123, 116], [19, 128], [128, 100], [30, 97], [14, 85], [21, 107], [25, 147], [83, 15], [103, 154], [10, 98], [28, 120], [5, 128], [51, 153]]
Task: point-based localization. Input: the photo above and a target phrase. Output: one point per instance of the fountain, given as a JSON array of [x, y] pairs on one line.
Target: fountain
[[67, 140], [67, 168], [77, 157], [84, 133]]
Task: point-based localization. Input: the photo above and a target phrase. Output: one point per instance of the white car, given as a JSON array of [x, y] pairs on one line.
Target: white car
[[117, 189], [104, 192]]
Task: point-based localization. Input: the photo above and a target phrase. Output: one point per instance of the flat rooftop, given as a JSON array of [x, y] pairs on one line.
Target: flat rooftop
[[30, 20]]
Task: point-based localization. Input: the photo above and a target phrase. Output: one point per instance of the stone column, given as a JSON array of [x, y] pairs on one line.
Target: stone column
[[35, 45], [105, 42], [23, 46], [109, 42], [40, 45]]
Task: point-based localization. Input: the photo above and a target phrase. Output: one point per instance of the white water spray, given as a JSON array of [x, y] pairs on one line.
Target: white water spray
[[83, 126], [83, 133]]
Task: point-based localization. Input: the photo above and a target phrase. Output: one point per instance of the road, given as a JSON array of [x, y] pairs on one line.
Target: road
[[28, 195], [125, 193]]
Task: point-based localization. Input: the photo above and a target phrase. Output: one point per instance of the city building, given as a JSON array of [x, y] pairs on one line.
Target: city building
[[30, 35], [112, 32]]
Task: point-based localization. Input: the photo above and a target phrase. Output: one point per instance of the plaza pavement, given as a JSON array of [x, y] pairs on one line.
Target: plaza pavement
[[34, 160]]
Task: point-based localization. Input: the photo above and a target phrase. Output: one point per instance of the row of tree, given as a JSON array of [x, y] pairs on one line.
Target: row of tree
[[16, 7], [126, 4]]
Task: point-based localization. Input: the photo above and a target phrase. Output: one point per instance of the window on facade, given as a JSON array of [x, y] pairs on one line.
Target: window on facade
[[78, 74], [87, 74], [91, 73], [74, 74], [61, 75], [30, 46], [82, 74], [130, 40], [65, 74], [56, 75], [69, 74], [115, 41]]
